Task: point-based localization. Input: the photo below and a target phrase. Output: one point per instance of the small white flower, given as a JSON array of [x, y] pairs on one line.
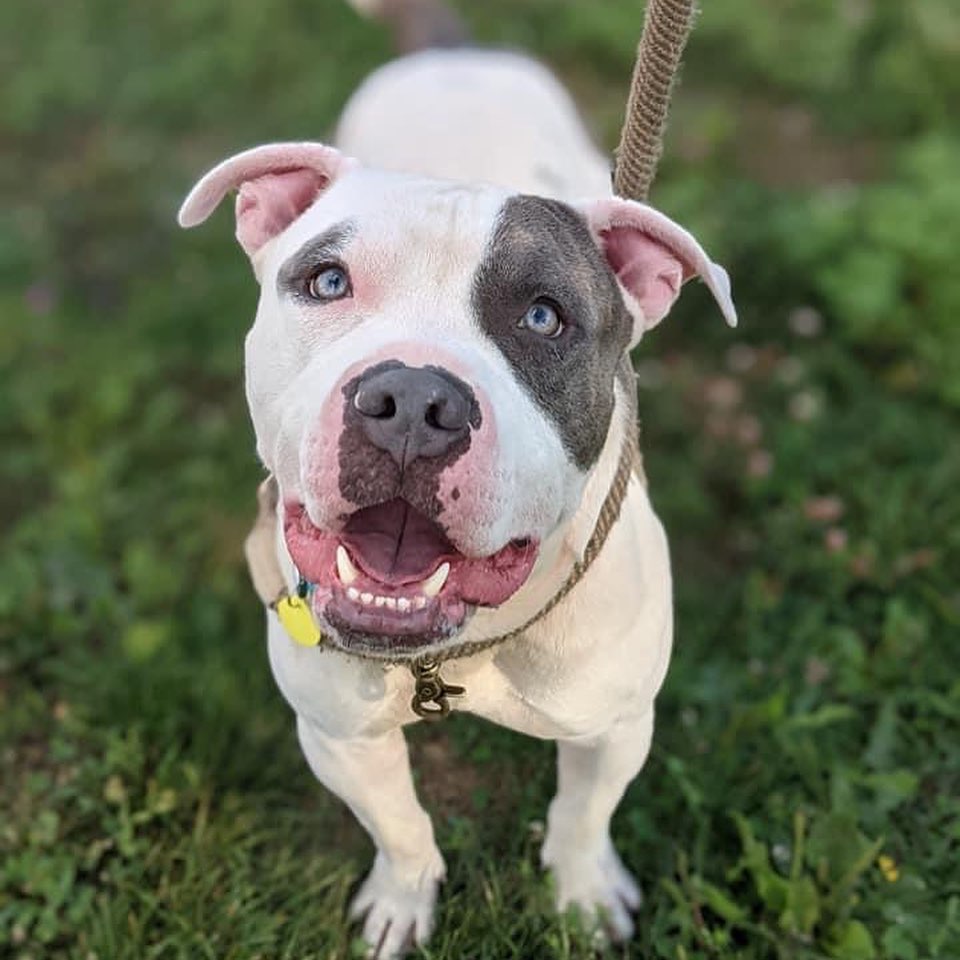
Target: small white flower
[[805, 322], [805, 406], [741, 358]]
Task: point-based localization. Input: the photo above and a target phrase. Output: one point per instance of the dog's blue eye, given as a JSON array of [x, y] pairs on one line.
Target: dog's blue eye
[[542, 318], [330, 283]]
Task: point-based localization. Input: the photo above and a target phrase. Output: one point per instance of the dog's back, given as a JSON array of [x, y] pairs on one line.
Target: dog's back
[[472, 115]]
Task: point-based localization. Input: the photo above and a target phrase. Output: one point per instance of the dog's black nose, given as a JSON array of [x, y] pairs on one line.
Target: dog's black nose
[[413, 412]]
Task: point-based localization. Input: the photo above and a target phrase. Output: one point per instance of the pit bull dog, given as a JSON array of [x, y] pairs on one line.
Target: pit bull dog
[[439, 381]]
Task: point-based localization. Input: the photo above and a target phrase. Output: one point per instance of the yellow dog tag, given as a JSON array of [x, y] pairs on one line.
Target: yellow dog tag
[[297, 620]]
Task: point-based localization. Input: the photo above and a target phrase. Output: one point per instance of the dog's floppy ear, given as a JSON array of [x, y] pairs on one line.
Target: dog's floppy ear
[[277, 182], [652, 257]]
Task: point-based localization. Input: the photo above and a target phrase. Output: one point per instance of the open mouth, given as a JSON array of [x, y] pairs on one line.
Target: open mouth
[[391, 581]]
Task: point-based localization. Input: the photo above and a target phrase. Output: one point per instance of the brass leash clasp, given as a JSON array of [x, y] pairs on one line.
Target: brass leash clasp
[[431, 692]]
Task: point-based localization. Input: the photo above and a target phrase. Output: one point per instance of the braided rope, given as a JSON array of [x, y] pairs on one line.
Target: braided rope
[[666, 26]]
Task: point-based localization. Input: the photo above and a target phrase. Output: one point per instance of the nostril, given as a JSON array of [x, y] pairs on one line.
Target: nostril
[[446, 412], [376, 403], [432, 416], [439, 416]]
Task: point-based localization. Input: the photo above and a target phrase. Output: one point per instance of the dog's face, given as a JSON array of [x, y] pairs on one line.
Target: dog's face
[[431, 374]]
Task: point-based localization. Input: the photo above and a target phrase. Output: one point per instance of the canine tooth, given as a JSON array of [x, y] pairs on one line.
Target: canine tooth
[[345, 568], [353, 593], [391, 603], [419, 602], [366, 598], [434, 583], [403, 604], [379, 601]]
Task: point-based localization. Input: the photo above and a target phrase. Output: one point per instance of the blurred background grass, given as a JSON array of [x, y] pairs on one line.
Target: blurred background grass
[[802, 797]]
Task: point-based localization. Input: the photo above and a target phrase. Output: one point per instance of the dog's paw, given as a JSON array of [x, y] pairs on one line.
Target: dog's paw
[[599, 888], [397, 911]]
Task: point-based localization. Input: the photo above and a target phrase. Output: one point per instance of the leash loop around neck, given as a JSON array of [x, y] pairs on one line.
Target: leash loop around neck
[[431, 693], [627, 467]]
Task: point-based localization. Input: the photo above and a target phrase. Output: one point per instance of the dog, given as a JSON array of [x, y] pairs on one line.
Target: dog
[[439, 381]]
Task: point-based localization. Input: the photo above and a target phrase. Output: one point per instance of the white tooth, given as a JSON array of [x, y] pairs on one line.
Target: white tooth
[[391, 603], [379, 601], [345, 568], [366, 598], [434, 583], [353, 593], [419, 602], [403, 604]]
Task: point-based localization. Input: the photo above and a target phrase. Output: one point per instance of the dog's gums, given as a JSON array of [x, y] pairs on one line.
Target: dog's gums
[[391, 578]]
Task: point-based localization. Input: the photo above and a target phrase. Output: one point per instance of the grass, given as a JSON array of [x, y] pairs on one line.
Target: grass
[[803, 795]]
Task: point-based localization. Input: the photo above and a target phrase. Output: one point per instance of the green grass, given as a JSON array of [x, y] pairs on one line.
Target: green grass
[[153, 803]]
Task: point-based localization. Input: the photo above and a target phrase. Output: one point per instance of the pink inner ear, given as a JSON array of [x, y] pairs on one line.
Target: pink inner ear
[[269, 204], [650, 271]]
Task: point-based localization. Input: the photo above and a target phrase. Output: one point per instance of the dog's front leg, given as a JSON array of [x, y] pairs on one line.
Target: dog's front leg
[[591, 778], [372, 776]]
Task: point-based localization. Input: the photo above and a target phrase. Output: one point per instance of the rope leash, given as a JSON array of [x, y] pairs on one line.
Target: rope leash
[[666, 27]]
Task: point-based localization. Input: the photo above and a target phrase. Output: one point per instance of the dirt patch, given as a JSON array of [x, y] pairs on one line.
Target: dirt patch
[[447, 783]]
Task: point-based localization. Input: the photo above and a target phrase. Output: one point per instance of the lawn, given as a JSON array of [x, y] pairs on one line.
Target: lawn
[[802, 799]]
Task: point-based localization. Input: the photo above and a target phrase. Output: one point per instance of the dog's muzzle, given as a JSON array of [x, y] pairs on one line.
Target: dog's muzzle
[[386, 575]]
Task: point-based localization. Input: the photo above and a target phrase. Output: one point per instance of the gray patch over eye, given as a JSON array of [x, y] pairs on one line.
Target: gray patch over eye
[[543, 248]]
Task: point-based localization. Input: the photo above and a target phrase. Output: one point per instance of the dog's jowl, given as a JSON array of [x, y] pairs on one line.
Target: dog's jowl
[[435, 375]]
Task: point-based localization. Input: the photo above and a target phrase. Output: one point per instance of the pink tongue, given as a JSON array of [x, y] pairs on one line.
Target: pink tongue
[[395, 543]]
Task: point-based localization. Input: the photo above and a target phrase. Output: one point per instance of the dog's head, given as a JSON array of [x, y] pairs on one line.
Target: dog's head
[[431, 373]]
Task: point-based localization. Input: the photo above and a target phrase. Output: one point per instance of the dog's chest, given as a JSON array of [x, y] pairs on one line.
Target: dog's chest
[[557, 707], [348, 697], [570, 697]]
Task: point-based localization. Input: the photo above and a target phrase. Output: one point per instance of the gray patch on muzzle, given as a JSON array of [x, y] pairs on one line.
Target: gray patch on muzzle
[[371, 471]]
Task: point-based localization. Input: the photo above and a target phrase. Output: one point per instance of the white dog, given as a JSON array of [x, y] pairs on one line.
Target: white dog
[[438, 379]]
